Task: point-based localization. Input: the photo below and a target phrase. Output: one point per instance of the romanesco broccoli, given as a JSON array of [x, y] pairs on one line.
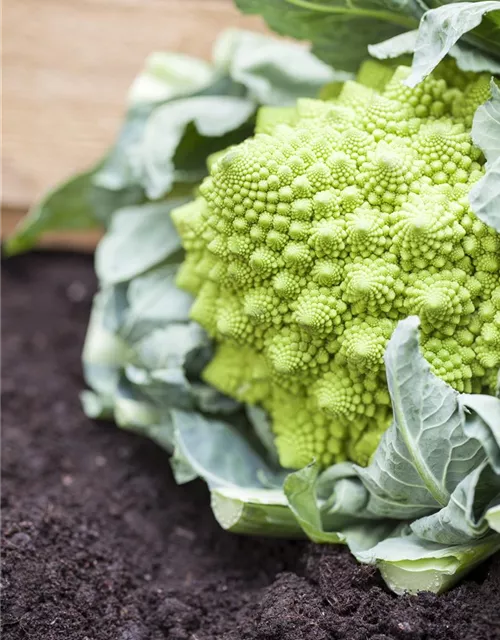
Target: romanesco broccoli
[[310, 241]]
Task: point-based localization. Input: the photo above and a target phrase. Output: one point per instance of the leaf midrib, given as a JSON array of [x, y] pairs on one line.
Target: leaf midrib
[[386, 16], [424, 472]]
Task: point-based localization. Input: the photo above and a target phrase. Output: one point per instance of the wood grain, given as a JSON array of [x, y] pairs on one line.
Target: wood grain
[[67, 65]]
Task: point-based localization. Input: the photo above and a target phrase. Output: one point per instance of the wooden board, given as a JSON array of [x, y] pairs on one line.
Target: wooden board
[[67, 65]]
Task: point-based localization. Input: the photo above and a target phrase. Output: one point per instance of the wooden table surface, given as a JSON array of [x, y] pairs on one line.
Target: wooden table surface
[[67, 66]]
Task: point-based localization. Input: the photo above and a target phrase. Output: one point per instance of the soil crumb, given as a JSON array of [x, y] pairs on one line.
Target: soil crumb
[[99, 543]]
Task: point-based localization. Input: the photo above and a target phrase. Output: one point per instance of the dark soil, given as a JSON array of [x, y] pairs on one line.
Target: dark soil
[[100, 544]]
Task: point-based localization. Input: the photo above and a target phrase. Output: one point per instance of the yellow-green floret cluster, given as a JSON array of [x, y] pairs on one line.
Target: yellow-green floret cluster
[[311, 240]]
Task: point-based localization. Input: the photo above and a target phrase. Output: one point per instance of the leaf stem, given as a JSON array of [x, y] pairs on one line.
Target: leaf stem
[[259, 512], [385, 16]]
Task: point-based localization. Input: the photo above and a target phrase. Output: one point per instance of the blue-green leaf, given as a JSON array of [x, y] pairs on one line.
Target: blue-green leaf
[[484, 197], [300, 490], [493, 517], [154, 302], [217, 452], [138, 238], [341, 519], [66, 207], [463, 518], [483, 423], [212, 118], [409, 564], [486, 125], [440, 29], [468, 57], [340, 31], [274, 72], [168, 75], [262, 426], [425, 453]]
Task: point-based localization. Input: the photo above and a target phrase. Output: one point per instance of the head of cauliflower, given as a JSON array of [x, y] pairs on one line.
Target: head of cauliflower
[[312, 239]]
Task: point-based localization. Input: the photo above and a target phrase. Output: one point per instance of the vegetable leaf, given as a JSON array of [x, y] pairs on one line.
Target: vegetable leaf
[[168, 75], [336, 521], [274, 72], [425, 453], [154, 302], [483, 424], [262, 426], [138, 238], [212, 118], [300, 491], [104, 352], [463, 517], [409, 564], [217, 452], [65, 207], [468, 57], [262, 512], [493, 517], [484, 197], [340, 31], [486, 125], [439, 30]]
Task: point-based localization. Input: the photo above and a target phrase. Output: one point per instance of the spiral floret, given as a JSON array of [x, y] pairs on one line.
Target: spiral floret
[[312, 239]]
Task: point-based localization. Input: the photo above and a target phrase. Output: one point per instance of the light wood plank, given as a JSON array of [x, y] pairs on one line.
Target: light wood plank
[[67, 65]]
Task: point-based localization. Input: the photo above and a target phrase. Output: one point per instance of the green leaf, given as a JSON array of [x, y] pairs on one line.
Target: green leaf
[[262, 512], [486, 125], [169, 75], [66, 207], [262, 426], [340, 31], [156, 365], [334, 522], [95, 406], [484, 197], [165, 77], [300, 492], [104, 352], [117, 172], [217, 452], [168, 347], [105, 202], [344, 499], [212, 117], [483, 424], [463, 518], [395, 47], [440, 29], [134, 411], [166, 388], [138, 238], [154, 301], [182, 470], [425, 452], [210, 400], [468, 57], [493, 517], [274, 72], [411, 565]]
